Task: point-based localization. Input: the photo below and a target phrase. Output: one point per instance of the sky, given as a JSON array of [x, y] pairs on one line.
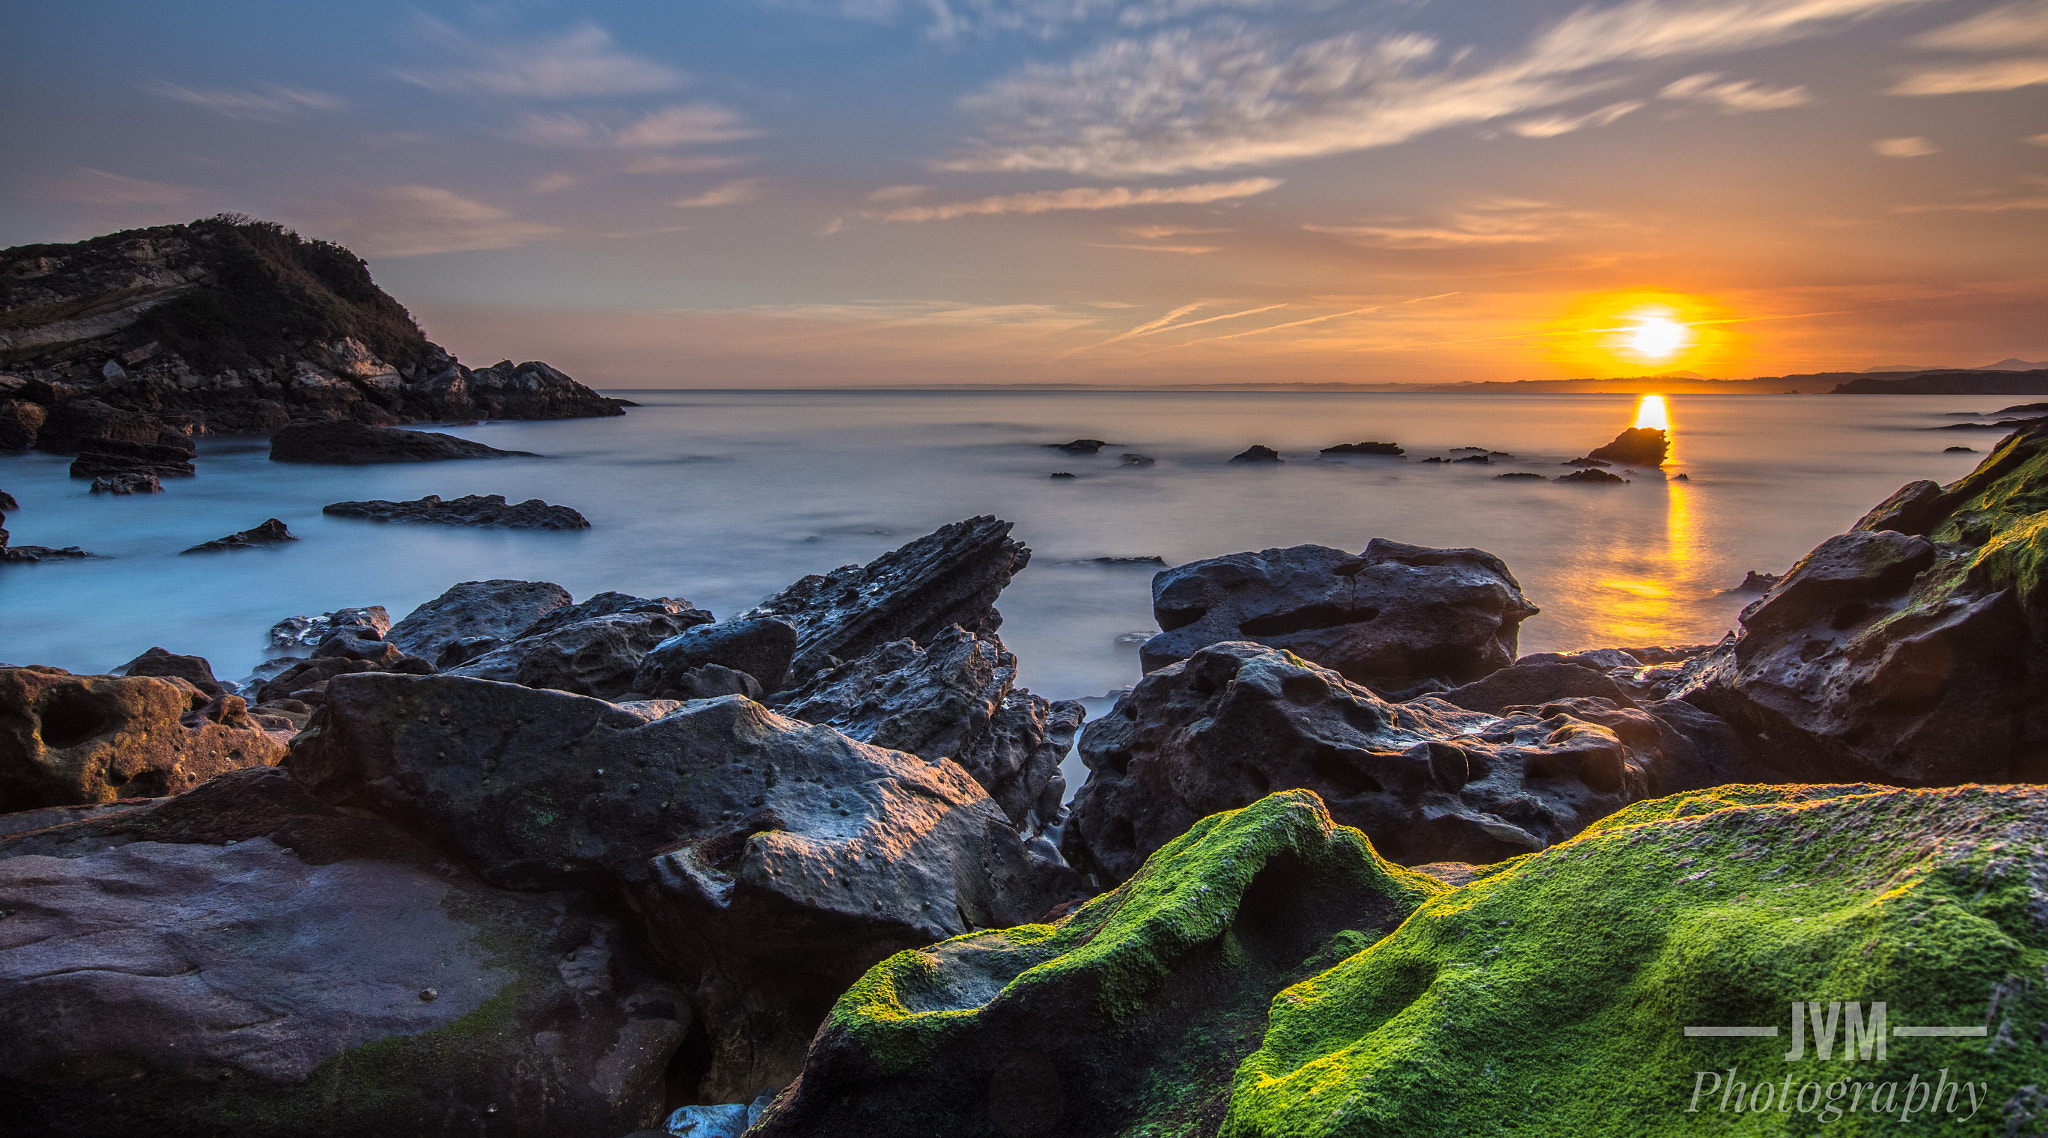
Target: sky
[[825, 192]]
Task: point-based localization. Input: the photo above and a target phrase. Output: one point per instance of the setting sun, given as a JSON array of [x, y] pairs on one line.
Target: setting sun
[[1638, 330], [1656, 337]]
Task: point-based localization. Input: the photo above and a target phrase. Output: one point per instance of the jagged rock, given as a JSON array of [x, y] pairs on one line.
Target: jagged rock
[[1255, 454], [949, 576], [1364, 448], [1131, 1011], [1758, 583], [1426, 780], [246, 952], [500, 609], [771, 861], [127, 484], [607, 604], [1401, 619], [1521, 475], [1959, 450], [1636, 446], [471, 510], [596, 656], [344, 443], [66, 740], [31, 553], [1597, 477], [1912, 649], [761, 647], [954, 699], [99, 457], [1481, 458], [506, 390], [163, 662], [271, 532]]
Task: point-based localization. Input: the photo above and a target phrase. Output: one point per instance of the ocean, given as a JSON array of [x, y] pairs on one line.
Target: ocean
[[723, 497]]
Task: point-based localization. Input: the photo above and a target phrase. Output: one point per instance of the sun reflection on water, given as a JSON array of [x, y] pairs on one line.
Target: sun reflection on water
[[1647, 579]]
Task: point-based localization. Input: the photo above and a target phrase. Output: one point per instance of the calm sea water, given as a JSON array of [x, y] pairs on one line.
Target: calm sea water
[[724, 497]]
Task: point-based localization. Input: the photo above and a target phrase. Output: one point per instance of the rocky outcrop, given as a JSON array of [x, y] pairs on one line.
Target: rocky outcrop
[[950, 576], [486, 510], [1400, 619], [246, 958], [955, 699], [342, 443], [598, 655], [759, 647], [1256, 455], [68, 739], [498, 610], [1636, 446], [1912, 649], [1135, 1009], [770, 861], [271, 532], [1426, 780]]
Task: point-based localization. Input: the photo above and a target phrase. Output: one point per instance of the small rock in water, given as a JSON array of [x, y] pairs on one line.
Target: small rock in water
[[1637, 446], [1079, 446], [1585, 462], [1473, 458], [1363, 448], [1520, 474], [1681, 478], [1945, 450], [1159, 561], [470, 510], [1063, 474], [1590, 475], [1256, 454], [1138, 460], [127, 484], [1757, 582], [271, 532], [7, 501]]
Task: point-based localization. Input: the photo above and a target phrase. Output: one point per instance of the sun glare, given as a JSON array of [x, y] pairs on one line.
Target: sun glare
[[1652, 413], [1657, 337], [1636, 332]]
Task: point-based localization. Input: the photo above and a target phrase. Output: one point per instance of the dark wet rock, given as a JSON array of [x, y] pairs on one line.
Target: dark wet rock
[[163, 662], [1426, 780], [343, 443], [1913, 649], [27, 554], [1079, 446], [1137, 562], [955, 699], [1758, 583], [1137, 460], [770, 861], [1520, 475], [606, 604], [487, 510], [500, 609], [1600, 477], [73, 423], [1399, 618], [7, 501], [66, 740], [950, 576], [598, 655], [306, 681], [1133, 1009], [370, 622], [271, 532], [1474, 458], [278, 959], [98, 457], [1636, 446], [1590, 462], [20, 422], [1958, 450], [127, 484], [505, 390], [1062, 474], [761, 647], [1436, 458], [1255, 454], [1523, 684], [1364, 448]]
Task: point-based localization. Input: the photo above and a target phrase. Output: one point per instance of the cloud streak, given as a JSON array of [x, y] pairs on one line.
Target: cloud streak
[[272, 104], [581, 62], [1993, 75], [1081, 198], [411, 221], [689, 124]]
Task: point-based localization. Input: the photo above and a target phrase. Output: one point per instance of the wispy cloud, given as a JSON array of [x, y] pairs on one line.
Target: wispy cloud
[[689, 124], [2014, 27], [1081, 198], [671, 164], [1503, 221], [1550, 126], [1157, 232], [1904, 147], [1992, 75], [1185, 249], [271, 104], [88, 186], [2032, 199], [581, 62], [1734, 96], [731, 193], [954, 19], [408, 221]]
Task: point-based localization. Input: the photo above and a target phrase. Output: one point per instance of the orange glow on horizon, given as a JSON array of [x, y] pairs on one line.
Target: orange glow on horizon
[[1638, 331]]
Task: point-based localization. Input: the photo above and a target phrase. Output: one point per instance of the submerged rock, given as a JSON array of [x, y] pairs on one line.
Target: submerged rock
[[344, 443], [487, 510], [271, 532], [1636, 446], [1136, 460], [1401, 619], [498, 609], [66, 740]]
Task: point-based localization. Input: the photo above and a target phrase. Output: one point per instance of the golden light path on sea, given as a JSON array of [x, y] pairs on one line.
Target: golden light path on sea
[[1637, 598]]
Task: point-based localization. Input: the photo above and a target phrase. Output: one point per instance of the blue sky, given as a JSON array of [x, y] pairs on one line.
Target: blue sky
[[1131, 191]]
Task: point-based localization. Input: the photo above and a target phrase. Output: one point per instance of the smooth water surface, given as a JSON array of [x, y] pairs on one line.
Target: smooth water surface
[[723, 497]]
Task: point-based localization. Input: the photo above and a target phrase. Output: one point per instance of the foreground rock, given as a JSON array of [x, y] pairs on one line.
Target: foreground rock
[[1912, 649], [947, 577], [247, 952], [693, 664], [771, 861], [1401, 619], [1427, 780], [956, 699], [1636, 446], [487, 510], [1516, 997], [1131, 1012], [271, 532], [596, 651], [497, 610], [354, 444], [68, 739]]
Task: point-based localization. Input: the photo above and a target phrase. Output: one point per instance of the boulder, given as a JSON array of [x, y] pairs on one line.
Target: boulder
[[1400, 619], [771, 861], [957, 700], [20, 422], [271, 532], [1364, 448], [761, 647], [485, 510], [247, 952], [1636, 446], [66, 740], [1255, 455], [98, 457], [127, 484], [598, 656], [1911, 650], [344, 443], [949, 576], [499, 609], [1426, 780], [1758, 583], [1128, 1013], [7, 501], [370, 623], [193, 670]]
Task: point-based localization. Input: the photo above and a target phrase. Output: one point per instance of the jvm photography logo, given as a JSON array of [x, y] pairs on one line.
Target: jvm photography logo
[[1846, 1032]]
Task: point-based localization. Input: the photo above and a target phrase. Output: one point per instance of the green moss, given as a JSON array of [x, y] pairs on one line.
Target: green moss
[[1551, 997]]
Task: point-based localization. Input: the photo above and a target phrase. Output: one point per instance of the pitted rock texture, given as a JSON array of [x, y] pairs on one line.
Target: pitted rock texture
[[499, 609], [1426, 780], [67, 740], [598, 655], [771, 861], [949, 576], [956, 699], [761, 647], [1400, 619]]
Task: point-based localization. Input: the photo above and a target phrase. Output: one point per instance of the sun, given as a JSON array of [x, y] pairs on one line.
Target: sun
[[1655, 336], [1637, 332]]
